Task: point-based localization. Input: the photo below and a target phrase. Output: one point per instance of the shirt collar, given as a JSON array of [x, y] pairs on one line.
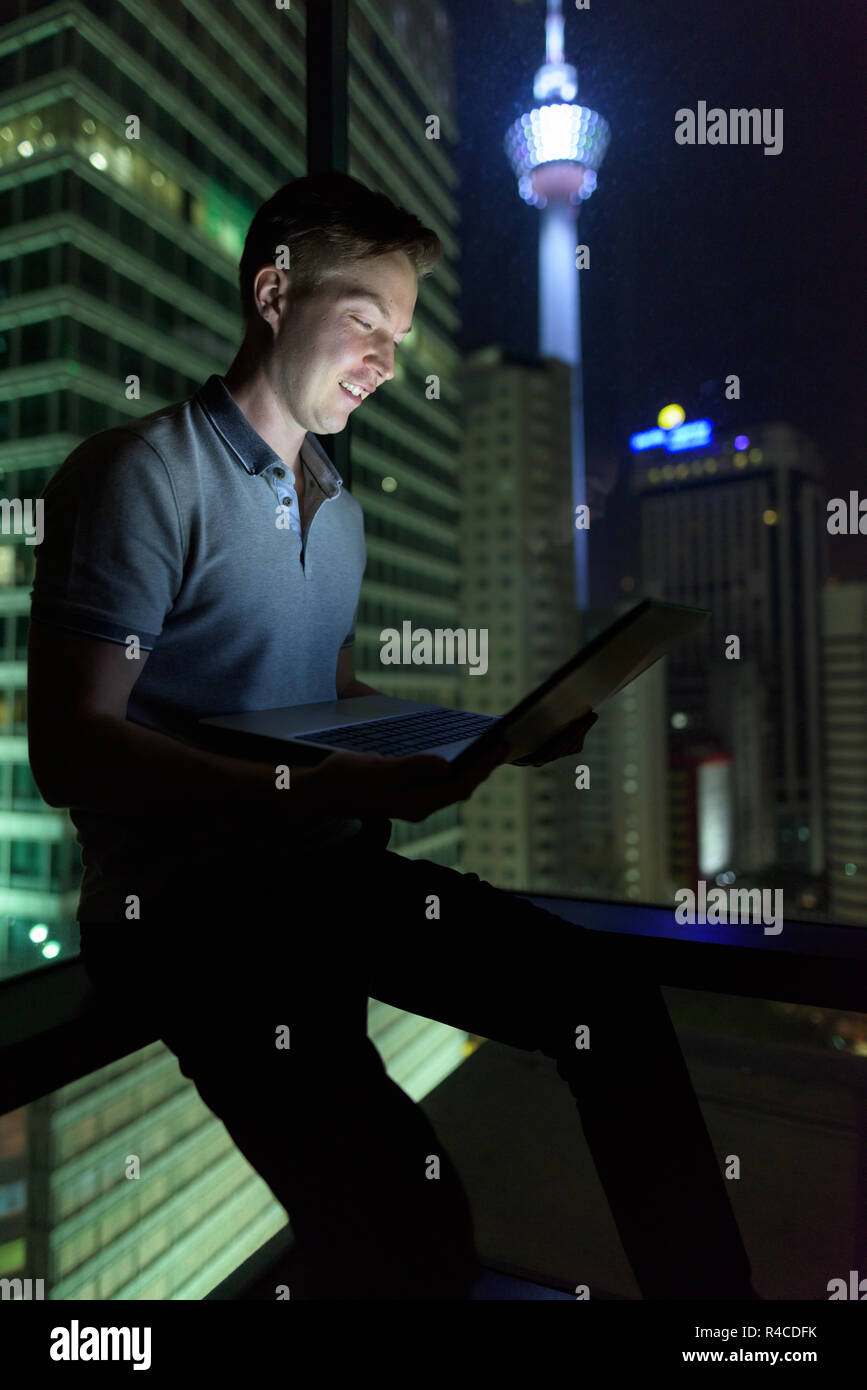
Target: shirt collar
[[250, 448]]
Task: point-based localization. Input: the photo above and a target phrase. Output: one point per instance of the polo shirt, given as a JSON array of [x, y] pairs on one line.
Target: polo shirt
[[173, 529]]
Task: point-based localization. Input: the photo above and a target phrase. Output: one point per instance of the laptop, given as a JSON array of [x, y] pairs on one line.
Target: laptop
[[395, 727]]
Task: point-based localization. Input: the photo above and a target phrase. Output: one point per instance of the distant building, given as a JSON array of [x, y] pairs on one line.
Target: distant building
[[517, 581], [621, 836], [741, 705], [845, 688], [737, 525]]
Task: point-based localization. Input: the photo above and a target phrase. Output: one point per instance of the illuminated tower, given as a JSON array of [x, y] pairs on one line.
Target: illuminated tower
[[555, 151]]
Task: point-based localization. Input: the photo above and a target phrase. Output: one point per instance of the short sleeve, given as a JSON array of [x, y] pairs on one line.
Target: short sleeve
[[110, 562]]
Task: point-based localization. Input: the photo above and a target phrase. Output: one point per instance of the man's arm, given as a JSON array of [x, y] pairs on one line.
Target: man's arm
[[347, 685], [84, 751]]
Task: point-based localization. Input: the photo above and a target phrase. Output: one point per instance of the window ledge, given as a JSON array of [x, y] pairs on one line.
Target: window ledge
[[54, 1030]]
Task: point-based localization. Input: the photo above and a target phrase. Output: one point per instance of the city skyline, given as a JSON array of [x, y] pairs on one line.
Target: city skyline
[[719, 258]]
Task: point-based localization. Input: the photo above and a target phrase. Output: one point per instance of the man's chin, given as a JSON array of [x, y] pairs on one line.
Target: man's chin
[[337, 424], [328, 422]]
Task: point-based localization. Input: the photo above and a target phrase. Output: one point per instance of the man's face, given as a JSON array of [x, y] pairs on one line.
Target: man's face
[[341, 333]]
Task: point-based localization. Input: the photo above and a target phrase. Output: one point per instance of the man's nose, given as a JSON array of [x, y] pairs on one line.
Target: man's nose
[[383, 365]]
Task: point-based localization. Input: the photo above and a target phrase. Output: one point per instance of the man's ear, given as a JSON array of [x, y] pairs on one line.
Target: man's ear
[[267, 285]]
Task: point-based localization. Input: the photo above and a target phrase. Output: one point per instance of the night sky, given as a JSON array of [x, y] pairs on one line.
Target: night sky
[[705, 260]]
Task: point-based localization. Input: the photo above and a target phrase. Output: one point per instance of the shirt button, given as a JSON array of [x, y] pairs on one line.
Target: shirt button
[[287, 501], [279, 473]]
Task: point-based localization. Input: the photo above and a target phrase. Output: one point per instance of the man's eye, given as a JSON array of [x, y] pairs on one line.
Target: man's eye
[[361, 321]]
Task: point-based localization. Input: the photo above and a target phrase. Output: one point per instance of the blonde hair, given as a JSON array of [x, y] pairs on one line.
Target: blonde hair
[[328, 221]]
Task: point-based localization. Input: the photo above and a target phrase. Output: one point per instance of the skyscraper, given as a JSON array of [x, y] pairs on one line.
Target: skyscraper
[[516, 546], [845, 691], [132, 162], [618, 823], [737, 525]]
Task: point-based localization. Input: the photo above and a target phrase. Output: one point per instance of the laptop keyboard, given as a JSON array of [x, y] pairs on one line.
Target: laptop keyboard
[[403, 733]]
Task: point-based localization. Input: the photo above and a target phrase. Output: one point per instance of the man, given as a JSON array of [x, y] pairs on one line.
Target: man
[[252, 920]]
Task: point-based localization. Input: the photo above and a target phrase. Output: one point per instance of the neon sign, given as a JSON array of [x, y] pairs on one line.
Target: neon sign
[[694, 434]]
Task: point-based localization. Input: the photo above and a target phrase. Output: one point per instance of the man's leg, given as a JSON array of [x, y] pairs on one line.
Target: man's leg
[[340, 1144], [498, 966]]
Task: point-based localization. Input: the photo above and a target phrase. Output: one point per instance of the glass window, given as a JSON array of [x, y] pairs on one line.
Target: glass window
[[92, 275], [23, 785], [33, 414], [9, 69], [38, 58], [13, 1133], [38, 199], [34, 342], [26, 858], [92, 416], [34, 273]]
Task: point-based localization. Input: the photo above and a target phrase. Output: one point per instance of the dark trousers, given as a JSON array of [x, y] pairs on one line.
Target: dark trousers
[[272, 949]]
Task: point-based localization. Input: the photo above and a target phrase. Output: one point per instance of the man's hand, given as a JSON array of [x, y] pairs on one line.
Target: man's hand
[[570, 740], [410, 788]]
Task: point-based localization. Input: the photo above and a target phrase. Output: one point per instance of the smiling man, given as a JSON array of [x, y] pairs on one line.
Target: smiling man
[[334, 330], [249, 922]]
